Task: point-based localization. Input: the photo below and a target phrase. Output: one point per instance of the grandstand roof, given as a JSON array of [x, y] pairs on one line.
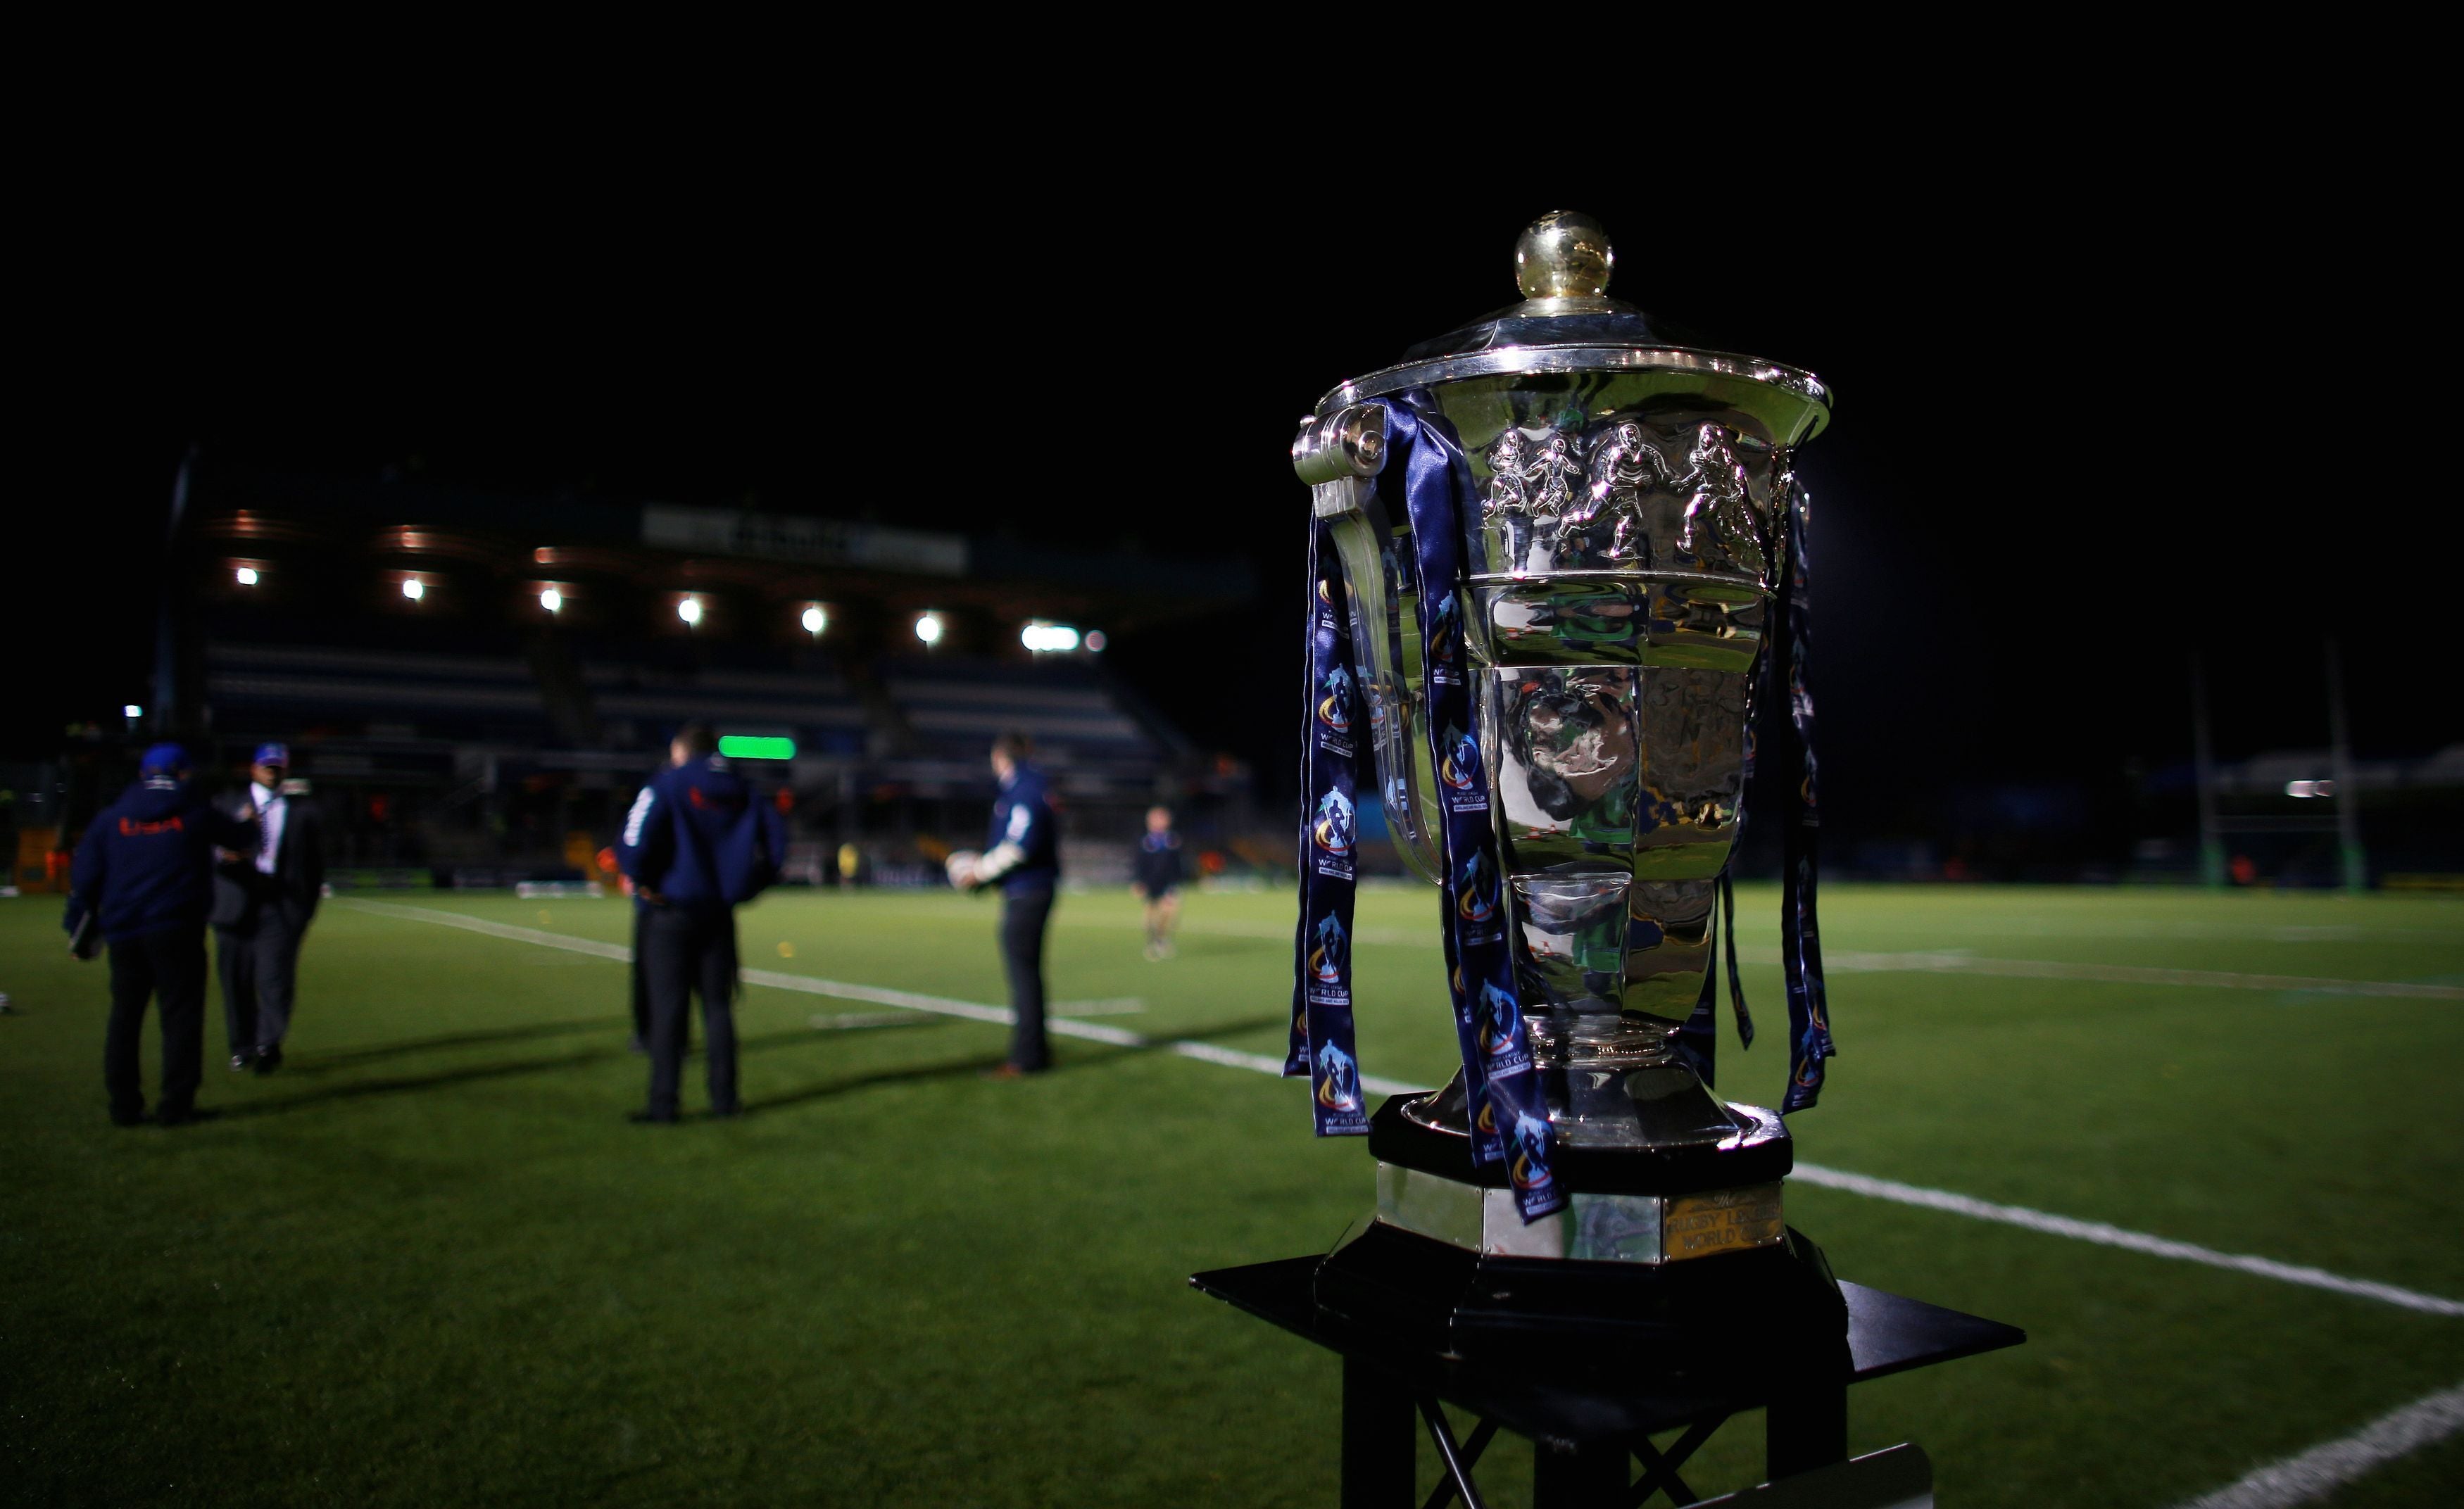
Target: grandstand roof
[[250, 514]]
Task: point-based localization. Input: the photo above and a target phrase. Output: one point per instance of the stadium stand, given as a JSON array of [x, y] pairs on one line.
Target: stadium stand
[[953, 707], [475, 683], [304, 687]]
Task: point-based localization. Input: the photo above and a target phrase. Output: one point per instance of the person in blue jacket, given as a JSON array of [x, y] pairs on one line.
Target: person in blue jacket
[[1022, 857], [142, 882], [697, 844]]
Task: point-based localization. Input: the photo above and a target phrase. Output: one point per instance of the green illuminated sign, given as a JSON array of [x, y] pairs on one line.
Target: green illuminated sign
[[753, 746]]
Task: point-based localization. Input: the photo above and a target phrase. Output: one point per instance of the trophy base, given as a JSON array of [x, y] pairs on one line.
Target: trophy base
[[1681, 1249], [1719, 1325], [1431, 1134]]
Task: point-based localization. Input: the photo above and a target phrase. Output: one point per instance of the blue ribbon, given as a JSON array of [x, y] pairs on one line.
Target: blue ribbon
[[1509, 1118], [1322, 1041], [1809, 1016]]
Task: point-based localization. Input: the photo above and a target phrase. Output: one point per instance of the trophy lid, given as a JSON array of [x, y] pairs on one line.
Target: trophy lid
[[1567, 324]]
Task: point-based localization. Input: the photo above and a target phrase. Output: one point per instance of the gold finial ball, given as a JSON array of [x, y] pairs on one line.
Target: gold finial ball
[[1563, 255]]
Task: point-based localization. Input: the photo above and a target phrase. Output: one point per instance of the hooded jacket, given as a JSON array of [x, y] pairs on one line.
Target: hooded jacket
[[146, 864], [700, 839]]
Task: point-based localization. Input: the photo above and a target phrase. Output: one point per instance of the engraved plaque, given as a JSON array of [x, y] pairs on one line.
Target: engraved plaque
[[1721, 1221]]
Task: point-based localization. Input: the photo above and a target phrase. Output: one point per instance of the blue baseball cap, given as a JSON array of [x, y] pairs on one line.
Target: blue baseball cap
[[163, 757], [272, 755]]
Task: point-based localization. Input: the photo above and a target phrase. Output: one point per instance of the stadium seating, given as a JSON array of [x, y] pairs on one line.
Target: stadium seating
[[288, 687], [953, 707], [814, 706]]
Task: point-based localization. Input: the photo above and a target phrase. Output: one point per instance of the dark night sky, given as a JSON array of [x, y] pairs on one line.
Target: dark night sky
[[2092, 412]]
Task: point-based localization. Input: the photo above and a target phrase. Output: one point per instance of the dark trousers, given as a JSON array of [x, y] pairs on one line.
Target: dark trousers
[[641, 982], [685, 952], [169, 967], [1023, 917], [259, 965], [236, 962]]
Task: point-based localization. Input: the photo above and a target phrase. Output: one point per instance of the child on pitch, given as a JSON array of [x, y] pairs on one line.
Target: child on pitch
[[1157, 880]]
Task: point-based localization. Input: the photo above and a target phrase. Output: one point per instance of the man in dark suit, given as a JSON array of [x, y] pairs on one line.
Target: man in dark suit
[[263, 902]]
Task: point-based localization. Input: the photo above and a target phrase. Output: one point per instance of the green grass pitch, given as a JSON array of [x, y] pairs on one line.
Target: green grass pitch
[[429, 1263]]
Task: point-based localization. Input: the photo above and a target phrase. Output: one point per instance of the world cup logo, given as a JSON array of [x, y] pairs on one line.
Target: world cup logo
[[1326, 959], [1333, 831], [1501, 1022], [1444, 629], [1529, 1168], [1460, 770], [1338, 1079], [1476, 897], [1334, 709]]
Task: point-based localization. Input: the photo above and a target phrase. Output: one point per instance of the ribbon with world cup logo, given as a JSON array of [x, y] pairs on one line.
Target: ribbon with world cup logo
[[1322, 1043], [1509, 1119]]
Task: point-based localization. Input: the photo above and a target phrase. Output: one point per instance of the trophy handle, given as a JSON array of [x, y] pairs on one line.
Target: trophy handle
[[1339, 455]]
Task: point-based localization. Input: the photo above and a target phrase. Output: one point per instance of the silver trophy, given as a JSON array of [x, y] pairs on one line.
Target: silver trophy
[[1627, 545]]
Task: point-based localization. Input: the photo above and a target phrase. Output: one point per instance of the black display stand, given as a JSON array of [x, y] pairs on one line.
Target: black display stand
[[1586, 1431]]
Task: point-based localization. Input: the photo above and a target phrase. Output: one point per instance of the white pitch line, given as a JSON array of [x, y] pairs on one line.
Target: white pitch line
[[2324, 1467], [1111, 1006], [495, 930], [1854, 962], [2096, 1232], [1851, 961], [874, 994], [2106, 1236]]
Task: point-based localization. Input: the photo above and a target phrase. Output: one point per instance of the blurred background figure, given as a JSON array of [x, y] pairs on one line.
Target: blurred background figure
[[1159, 876], [264, 899], [141, 882], [1023, 856], [696, 845]]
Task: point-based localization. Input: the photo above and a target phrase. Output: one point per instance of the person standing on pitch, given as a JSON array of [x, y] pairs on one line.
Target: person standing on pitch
[[696, 845], [1157, 880], [1023, 857], [142, 881], [263, 902], [640, 990]]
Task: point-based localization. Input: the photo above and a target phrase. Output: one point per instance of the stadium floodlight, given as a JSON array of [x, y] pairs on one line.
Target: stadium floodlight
[[815, 620], [552, 599], [928, 627], [1047, 638], [1095, 640], [690, 610], [755, 746], [413, 588], [247, 575], [132, 709]]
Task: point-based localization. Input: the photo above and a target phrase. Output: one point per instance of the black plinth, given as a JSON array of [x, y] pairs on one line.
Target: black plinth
[[1585, 1429], [1719, 1319], [1395, 1138]]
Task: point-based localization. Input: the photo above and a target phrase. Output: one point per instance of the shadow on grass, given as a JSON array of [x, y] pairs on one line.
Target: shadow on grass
[[1105, 1054], [481, 1073], [830, 1089], [759, 1042], [402, 1084], [328, 1062]]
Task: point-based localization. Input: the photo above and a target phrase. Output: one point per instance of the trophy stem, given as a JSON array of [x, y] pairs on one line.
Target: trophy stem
[[1612, 1083]]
